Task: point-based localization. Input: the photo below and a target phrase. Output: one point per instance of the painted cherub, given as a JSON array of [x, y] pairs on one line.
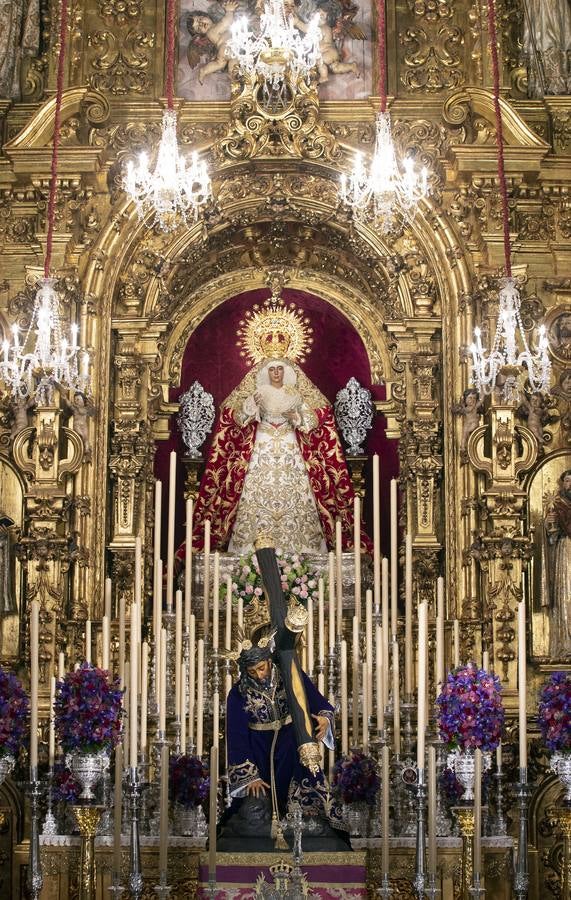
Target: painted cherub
[[208, 39], [330, 55], [537, 415], [470, 409]]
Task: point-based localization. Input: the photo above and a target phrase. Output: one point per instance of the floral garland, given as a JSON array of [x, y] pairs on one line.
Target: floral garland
[[87, 710], [356, 778], [189, 780], [299, 579], [471, 714], [554, 712], [14, 714]]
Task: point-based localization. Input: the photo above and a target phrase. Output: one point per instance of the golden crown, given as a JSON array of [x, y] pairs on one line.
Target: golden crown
[[275, 330]]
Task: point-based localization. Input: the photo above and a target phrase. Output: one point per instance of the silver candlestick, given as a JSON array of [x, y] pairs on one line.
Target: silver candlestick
[[134, 789], [521, 878], [420, 853], [35, 876]]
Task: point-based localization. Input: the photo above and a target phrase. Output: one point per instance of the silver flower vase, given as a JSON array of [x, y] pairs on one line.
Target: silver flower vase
[[463, 764], [561, 766], [356, 816], [189, 820], [7, 763], [88, 768]]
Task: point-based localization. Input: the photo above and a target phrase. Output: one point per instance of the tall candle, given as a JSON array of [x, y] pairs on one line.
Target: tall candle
[[170, 529], [321, 622], [385, 802], [369, 644], [138, 569], [478, 813], [216, 601], [385, 619], [379, 674], [339, 574], [432, 859], [117, 809], [396, 697], [486, 660], [522, 684], [127, 713], [88, 641], [439, 635], [107, 596], [215, 718], [355, 678], [163, 683], [206, 577], [182, 707], [52, 734], [157, 618], [456, 643], [133, 689], [122, 640], [394, 557], [366, 707], [499, 757], [310, 653], [105, 642], [61, 666], [357, 553], [408, 644], [331, 602], [213, 814], [191, 678], [188, 563], [421, 681], [228, 630], [34, 685], [144, 695], [344, 709], [177, 651], [158, 514], [376, 533], [199, 697], [164, 811]]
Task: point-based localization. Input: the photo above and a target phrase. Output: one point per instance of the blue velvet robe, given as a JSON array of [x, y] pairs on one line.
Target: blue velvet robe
[[250, 750]]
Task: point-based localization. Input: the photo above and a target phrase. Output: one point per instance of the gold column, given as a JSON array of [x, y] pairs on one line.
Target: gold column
[[465, 816], [88, 820]]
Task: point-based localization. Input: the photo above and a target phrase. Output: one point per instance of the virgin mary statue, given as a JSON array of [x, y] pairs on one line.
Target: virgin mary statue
[[275, 464]]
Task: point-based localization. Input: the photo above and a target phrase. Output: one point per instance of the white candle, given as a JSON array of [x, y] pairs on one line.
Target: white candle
[[432, 857], [228, 631], [396, 697], [133, 689], [163, 683], [206, 585], [144, 695], [191, 678], [344, 709], [522, 683], [369, 644], [339, 574], [61, 666], [138, 569], [122, 640], [177, 651], [478, 813], [486, 660], [117, 809], [355, 677], [199, 697], [456, 643], [34, 685], [170, 529], [213, 814], [107, 596], [188, 563], [421, 681], [158, 513], [439, 635], [52, 734], [365, 682], [331, 602], [216, 602], [379, 690], [357, 553], [182, 707], [385, 798], [499, 757], [88, 641], [394, 557], [321, 622], [376, 533], [385, 620], [164, 811], [105, 643], [408, 643], [157, 618], [310, 654], [215, 718]]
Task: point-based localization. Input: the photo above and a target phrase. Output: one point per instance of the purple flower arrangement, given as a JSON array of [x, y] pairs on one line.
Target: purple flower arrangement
[[87, 710], [298, 578], [450, 787], [189, 780], [65, 788], [14, 714], [471, 715], [554, 713], [356, 778]]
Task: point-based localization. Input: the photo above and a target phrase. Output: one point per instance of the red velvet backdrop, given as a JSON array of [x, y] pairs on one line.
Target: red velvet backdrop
[[212, 357]]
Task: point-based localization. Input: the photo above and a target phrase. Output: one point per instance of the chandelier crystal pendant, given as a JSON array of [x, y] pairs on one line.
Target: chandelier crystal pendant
[[171, 193], [505, 358], [499, 369], [376, 193], [32, 364], [277, 48]]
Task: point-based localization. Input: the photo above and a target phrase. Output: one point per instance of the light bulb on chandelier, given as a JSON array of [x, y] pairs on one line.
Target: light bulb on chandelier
[[500, 368], [31, 364], [171, 193]]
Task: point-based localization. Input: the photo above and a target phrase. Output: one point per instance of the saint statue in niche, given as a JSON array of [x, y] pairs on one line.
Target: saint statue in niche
[[556, 568], [275, 464]]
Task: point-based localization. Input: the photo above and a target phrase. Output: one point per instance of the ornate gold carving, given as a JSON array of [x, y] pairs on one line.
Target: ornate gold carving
[[121, 67], [432, 56]]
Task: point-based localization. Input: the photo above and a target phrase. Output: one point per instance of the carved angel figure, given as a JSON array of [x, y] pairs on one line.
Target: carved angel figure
[[81, 408], [19, 408], [536, 413], [336, 26], [469, 408], [209, 35]]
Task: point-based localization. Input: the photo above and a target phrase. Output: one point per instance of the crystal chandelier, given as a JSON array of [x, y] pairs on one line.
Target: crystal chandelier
[[376, 194], [501, 367], [171, 193], [31, 364], [278, 47], [505, 358]]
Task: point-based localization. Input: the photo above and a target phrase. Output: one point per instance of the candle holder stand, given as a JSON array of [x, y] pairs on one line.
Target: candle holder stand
[[87, 819], [134, 790], [432, 889], [476, 891], [497, 824], [521, 878], [212, 886], [116, 888], [158, 743], [35, 879], [420, 853], [404, 803], [50, 825], [465, 816], [331, 679], [407, 709], [162, 889], [169, 625], [563, 819], [106, 821], [385, 890]]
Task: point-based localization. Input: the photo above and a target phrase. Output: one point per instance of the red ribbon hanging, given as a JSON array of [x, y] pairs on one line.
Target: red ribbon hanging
[[57, 135], [170, 53], [492, 31], [382, 41]]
